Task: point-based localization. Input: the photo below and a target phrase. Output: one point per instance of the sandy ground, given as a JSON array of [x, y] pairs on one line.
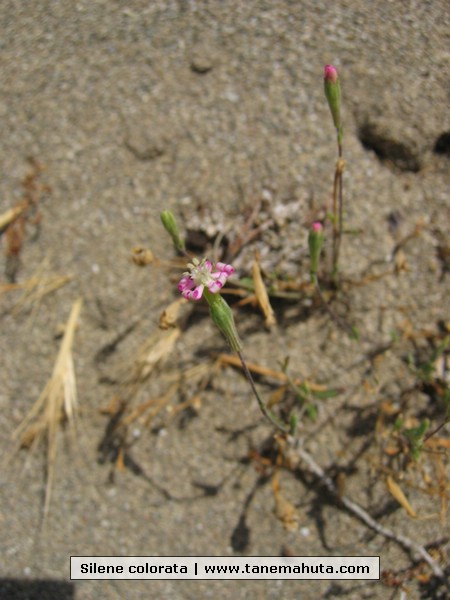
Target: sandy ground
[[206, 108]]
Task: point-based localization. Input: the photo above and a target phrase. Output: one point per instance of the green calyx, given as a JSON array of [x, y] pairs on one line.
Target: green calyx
[[170, 225], [222, 316], [315, 242], [333, 95]]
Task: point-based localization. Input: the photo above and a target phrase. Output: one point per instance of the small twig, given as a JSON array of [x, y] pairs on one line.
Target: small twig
[[436, 429], [359, 512]]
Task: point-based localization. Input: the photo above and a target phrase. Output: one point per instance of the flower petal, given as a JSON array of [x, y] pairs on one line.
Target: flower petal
[[186, 283], [223, 267], [196, 293], [214, 287]]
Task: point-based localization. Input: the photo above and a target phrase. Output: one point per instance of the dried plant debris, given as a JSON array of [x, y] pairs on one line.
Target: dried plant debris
[[142, 256], [11, 215], [233, 361], [14, 221], [291, 446], [57, 404], [170, 315], [396, 491], [151, 355], [262, 296], [34, 289], [183, 393], [131, 379], [263, 227], [285, 511]]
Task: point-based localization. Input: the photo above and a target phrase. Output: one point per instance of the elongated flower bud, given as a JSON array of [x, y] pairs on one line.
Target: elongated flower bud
[[170, 225], [333, 94], [315, 241], [222, 316]]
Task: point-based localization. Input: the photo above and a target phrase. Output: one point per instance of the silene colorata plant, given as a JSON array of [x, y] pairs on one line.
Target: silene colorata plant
[[205, 279]]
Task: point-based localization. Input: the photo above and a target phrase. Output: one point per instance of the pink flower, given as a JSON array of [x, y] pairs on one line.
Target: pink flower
[[317, 227], [330, 74], [333, 94], [204, 274]]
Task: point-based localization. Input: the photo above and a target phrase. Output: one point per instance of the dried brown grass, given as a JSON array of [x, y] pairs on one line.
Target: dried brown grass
[[56, 404]]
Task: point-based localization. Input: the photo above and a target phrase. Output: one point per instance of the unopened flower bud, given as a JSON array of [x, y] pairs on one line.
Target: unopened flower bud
[[315, 241], [333, 95], [170, 225], [222, 316]]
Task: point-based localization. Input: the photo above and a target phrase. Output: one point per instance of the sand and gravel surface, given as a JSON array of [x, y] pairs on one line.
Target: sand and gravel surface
[[207, 108]]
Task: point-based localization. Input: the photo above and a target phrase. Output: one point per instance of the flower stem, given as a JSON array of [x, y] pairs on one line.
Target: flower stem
[[266, 412], [338, 210]]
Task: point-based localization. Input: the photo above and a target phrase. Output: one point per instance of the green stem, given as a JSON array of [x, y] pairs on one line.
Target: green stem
[[222, 316], [266, 412], [338, 210]]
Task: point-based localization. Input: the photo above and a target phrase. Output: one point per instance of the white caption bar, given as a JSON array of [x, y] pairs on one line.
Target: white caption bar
[[224, 567]]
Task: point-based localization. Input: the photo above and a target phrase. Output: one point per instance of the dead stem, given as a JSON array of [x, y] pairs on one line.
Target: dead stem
[[359, 512]]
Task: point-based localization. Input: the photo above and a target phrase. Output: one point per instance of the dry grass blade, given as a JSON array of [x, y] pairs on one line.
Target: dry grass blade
[[156, 403], [38, 286], [12, 214], [132, 374], [262, 296], [399, 495], [57, 402], [169, 317], [231, 360], [155, 350]]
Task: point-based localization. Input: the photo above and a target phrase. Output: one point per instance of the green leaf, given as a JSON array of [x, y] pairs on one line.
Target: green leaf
[[325, 394], [416, 433], [311, 411]]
